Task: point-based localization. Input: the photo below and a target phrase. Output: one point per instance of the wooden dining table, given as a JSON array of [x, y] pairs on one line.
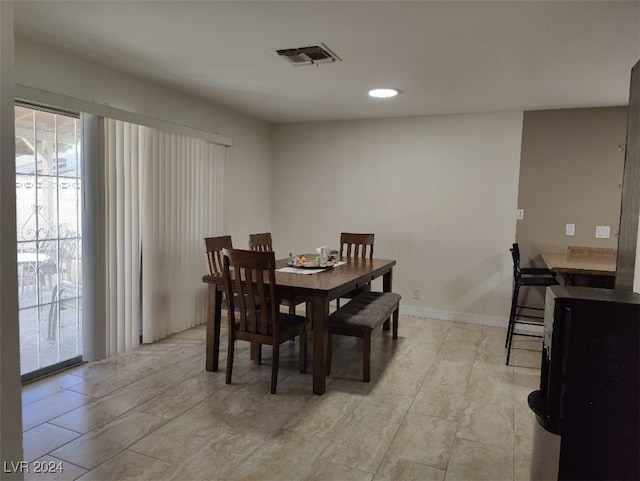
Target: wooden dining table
[[316, 290]]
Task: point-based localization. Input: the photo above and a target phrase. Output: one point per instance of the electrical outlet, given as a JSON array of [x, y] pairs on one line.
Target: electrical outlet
[[519, 214], [570, 230], [416, 293], [603, 232]]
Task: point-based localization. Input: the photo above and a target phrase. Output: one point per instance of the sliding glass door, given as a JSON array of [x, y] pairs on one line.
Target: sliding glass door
[[48, 211]]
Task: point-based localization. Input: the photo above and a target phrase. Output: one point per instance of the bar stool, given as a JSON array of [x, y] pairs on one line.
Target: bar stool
[[520, 313]]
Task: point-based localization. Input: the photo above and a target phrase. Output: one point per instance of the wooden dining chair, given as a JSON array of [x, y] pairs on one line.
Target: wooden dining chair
[[263, 243], [213, 249], [356, 246], [250, 276]]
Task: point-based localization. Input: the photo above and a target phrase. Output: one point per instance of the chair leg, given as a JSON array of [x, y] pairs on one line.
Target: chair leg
[[512, 321], [366, 356], [53, 314], [29, 277], [274, 367], [396, 318], [256, 353], [303, 352], [230, 351], [512, 312]]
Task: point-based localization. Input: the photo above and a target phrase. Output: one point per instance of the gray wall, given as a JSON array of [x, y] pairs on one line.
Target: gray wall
[[570, 173]]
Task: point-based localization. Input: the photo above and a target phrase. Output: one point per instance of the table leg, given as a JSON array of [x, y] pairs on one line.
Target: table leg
[[320, 313], [256, 353], [214, 318], [387, 283]]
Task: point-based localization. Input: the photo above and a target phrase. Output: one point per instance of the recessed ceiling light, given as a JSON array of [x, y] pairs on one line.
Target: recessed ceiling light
[[383, 93]]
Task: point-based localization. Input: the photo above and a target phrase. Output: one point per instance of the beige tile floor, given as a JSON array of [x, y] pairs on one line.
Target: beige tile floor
[[441, 405]]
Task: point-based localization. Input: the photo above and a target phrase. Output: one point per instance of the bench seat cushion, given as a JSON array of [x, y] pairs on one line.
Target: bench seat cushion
[[366, 311]]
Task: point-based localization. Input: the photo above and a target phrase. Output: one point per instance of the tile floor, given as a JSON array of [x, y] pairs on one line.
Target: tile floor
[[441, 405]]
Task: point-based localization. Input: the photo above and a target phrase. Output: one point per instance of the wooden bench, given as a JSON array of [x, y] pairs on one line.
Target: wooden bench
[[359, 317]]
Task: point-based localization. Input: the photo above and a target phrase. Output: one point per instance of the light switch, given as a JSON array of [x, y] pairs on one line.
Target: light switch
[[603, 231], [570, 230], [519, 214]]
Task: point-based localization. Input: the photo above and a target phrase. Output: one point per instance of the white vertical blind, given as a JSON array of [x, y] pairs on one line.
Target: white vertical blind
[[122, 242], [164, 195]]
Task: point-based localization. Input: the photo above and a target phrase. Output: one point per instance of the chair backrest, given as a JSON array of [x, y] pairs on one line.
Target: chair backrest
[[213, 247], [250, 275], [261, 242], [356, 245], [515, 255], [70, 263]]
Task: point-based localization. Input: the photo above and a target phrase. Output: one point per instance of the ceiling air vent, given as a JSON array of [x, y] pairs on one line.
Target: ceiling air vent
[[309, 55]]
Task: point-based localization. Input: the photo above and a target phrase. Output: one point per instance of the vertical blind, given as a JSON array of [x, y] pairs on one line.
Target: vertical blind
[[163, 195]]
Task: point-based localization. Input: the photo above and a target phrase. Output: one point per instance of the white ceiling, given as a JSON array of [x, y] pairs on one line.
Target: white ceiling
[[446, 57]]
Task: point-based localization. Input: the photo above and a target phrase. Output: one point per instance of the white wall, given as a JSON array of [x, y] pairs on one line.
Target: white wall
[[248, 174], [440, 194]]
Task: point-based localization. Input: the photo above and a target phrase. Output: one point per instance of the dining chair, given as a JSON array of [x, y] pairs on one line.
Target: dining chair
[[250, 275], [66, 283], [523, 314], [213, 249], [356, 246], [26, 275], [42, 264], [263, 243]]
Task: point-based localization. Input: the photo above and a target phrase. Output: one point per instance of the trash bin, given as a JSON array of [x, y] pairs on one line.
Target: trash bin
[[545, 450]]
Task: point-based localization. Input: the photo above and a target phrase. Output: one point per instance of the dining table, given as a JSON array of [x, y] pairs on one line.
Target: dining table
[[317, 290], [31, 258]]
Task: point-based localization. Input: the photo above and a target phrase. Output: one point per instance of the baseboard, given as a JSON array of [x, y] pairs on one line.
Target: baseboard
[[453, 316]]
